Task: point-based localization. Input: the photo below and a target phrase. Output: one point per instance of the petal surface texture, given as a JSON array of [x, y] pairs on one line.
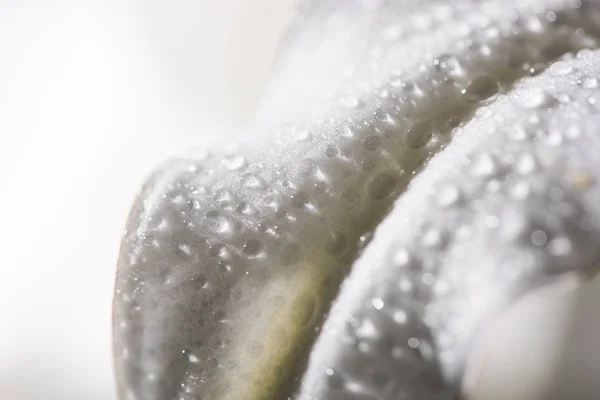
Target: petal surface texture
[[511, 205], [231, 258]]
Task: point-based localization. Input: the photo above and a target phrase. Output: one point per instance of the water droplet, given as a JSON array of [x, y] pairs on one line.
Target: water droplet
[[254, 348], [418, 135], [384, 93], [377, 303], [539, 238], [252, 247], [432, 238], [400, 317], [449, 64], [290, 254], [302, 135], [560, 68], [413, 343], [252, 181], [590, 83], [350, 102], [560, 246], [492, 221], [525, 164], [401, 258], [382, 185], [447, 195], [392, 32], [235, 163], [371, 143], [483, 113], [194, 204], [332, 151], [217, 222], [529, 97], [224, 197], [484, 165], [481, 88], [520, 190]]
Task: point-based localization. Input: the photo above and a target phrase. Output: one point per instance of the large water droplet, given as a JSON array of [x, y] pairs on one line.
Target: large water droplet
[[217, 222], [252, 247], [235, 163], [530, 97], [371, 143], [560, 68]]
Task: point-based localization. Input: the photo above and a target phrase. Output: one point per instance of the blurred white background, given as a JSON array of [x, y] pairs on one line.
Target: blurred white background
[[93, 94]]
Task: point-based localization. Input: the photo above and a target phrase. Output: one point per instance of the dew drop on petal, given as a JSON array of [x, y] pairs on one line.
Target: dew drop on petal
[[235, 163]]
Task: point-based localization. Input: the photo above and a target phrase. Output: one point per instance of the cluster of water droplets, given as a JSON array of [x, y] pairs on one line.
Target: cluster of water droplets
[[504, 210], [231, 258]]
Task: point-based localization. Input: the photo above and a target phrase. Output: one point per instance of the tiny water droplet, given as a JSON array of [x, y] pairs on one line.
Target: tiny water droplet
[[560, 68], [483, 113], [484, 165], [525, 164], [350, 102], [377, 303], [302, 135], [539, 238], [252, 181], [590, 83], [560, 246], [401, 258], [235, 163]]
